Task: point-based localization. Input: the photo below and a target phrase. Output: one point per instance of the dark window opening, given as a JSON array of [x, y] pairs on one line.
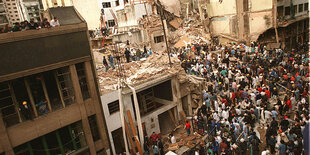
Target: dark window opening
[[7, 107], [117, 2], [93, 127], [119, 145], [52, 90], [22, 99], [163, 91], [113, 107], [106, 4], [146, 101], [287, 11], [80, 69], [300, 7], [62, 141], [306, 7], [158, 39], [126, 1], [295, 9], [35, 84], [111, 23]]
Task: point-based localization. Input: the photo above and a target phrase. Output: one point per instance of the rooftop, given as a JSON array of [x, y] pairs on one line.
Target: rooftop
[[139, 72]]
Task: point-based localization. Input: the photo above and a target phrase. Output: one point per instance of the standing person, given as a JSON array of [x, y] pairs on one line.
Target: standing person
[[188, 128], [255, 144], [111, 60], [154, 138], [155, 150], [55, 22], [138, 54], [160, 147], [105, 63], [25, 109], [146, 148], [127, 55]]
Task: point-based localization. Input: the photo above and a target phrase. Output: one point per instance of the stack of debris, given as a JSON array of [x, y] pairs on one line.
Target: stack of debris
[[138, 71], [183, 140]]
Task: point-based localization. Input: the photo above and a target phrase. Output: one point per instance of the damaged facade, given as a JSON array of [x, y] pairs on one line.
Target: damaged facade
[[166, 96], [249, 20], [292, 28]]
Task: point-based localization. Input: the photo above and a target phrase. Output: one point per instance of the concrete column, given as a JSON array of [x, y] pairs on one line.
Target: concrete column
[[5, 142], [97, 104], [176, 95], [79, 100]]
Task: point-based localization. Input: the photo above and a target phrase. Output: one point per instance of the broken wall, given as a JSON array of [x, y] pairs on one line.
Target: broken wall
[[173, 6], [259, 23]]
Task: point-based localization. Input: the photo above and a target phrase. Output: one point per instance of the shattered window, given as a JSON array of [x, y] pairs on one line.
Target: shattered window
[[106, 4]]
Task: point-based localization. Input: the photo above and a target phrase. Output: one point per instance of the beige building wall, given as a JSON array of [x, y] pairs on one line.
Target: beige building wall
[[215, 8], [221, 25], [259, 5], [259, 23], [89, 9]]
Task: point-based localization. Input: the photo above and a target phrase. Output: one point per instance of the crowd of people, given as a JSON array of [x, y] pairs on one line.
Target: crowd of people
[[250, 89], [31, 25], [251, 92]]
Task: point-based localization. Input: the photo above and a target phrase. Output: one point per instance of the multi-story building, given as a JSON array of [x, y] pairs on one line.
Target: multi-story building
[[89, 9], [31, 9], [10, 12], [3, 14], [49, 101], [257, 20]]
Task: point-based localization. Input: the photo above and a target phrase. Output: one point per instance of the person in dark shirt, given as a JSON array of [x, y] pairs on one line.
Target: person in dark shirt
[[45, 23], [127, 55], [16, 27], [32, 25]]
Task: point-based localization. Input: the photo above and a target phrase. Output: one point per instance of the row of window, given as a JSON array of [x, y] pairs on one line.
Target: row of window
[[63, 141], [28, 97], [296, 9]]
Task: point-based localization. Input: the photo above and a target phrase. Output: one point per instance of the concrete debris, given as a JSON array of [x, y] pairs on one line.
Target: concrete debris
[[137, 71], [173, 6], [176, 22]]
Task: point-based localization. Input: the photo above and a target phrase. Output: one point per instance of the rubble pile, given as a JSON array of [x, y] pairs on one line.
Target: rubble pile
[[192, 29], [151, 21], [183, 140], [146, 68]]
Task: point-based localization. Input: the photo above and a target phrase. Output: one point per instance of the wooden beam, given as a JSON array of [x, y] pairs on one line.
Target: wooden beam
[[133, 148], [134, 132]]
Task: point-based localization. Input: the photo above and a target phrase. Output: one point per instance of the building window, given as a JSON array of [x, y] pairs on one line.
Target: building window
[[117, 2], [306, 7], [111, 23], [300, 7], [51, 86], [158, 39], [94, 127], [113, 107], [62, 141], [64, 83], [7, 107], [80, 69], [106, 4], [287, 11], [126, 1], [295, 9]]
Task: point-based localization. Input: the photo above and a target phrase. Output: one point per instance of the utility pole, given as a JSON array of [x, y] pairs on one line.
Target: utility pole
[[164, 29]]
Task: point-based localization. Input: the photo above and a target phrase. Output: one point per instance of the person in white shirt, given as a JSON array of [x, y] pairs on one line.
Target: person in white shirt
[[172, 138], [54, 22]]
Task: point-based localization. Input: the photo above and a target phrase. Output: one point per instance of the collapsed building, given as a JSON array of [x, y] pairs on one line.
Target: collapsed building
[[166, 96]]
